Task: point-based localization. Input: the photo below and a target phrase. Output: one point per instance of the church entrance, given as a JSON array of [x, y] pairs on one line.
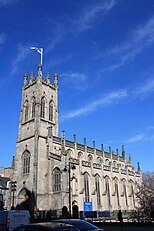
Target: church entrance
[[26, 200]]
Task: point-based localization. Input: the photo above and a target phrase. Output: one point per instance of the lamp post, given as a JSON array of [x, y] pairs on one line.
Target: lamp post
[[68, 169], [13, 189]]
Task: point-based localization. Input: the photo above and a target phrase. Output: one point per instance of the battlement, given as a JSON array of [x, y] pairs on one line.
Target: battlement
[[45, 80], [98, 155]]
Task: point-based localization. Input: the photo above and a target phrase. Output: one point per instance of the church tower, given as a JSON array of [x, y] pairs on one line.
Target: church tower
[[38, 120], [52, 172]]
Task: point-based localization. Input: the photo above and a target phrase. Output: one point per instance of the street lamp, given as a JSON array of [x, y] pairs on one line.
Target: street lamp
[[13, 189], [68, 169]]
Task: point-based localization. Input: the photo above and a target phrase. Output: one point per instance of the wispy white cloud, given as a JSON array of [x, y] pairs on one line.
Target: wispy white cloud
[[84, 20], [110, 98], [2, 38], [22, 52], [123, 59], [139, 39], [74, 79], [144, 89], [59, 60], [57, 34], [135, 138], [146, 135], [7, 2], [90, 13], [74, 76]]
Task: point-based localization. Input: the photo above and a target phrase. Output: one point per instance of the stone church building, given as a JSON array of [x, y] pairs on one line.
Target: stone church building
[[104, 178]]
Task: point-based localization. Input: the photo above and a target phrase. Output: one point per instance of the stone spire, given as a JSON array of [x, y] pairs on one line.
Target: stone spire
[[138, 167], [102, 147], [117, 152], [74, 138], [85, 142], [39, 71], [56, 79], [130, 159], [123, 151], [25, 78], [32, 77], [48, 77]]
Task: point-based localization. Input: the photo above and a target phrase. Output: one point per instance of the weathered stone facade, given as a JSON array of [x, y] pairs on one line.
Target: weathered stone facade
[[106, 179]]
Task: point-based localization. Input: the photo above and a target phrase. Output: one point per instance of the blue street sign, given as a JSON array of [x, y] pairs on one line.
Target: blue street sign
[[87, 206]]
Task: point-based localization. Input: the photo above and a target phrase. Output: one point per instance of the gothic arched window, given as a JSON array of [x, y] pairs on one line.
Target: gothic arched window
[[26, 162], [43, 107], [98, 190], [26, 110], [51, 110], [125, 192], [117, 193], [86, 187], [56, 180], [33, 107], [132, 192], [107, 187]]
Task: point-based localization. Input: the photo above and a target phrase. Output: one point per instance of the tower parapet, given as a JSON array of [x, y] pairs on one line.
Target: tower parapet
[[40, 78]]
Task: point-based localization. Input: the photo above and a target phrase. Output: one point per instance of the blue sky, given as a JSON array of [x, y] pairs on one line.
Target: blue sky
[[103, 51]]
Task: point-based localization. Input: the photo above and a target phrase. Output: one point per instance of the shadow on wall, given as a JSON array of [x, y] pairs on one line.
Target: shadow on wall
[[29, 202]]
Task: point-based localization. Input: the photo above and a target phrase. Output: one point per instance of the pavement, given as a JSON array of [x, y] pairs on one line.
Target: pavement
[[111, 226]]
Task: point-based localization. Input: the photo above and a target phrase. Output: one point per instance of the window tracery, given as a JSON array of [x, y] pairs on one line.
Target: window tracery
[[33, 107], [26, 162], [86, 187], [97, 184], [56, 180], [43, 107], [51, 110], [26, 110]]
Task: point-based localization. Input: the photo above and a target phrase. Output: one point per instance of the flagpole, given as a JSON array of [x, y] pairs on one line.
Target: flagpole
[[41, 55], [40, 51]]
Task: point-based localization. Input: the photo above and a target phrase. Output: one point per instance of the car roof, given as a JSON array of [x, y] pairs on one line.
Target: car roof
[[76, 222], [52, 224], [80, 224], [59, 225]]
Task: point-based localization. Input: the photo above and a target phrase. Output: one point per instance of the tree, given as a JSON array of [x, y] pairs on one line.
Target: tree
[[145, 194], [148, 179]]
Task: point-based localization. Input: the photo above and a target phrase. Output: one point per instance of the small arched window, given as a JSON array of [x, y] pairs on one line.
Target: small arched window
[[33, 107], [80, 154], [43, 107], [107, 162], [114, 164], [90, 158], [51, 110], [26, 162], [99, 160], [56, 180], [26, 110]]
